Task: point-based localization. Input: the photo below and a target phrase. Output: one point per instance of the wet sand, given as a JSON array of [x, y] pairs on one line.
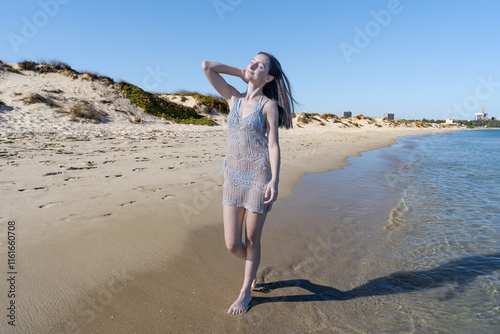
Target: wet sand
[[124, 234]]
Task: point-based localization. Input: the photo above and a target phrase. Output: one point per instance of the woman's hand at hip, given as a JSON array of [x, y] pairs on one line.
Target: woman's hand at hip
[[271, 192]]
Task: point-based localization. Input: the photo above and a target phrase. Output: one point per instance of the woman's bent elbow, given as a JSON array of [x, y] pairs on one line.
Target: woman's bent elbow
[[204, 65]]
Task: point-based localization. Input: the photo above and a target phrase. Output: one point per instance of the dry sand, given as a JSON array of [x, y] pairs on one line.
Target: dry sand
[[118, 225]]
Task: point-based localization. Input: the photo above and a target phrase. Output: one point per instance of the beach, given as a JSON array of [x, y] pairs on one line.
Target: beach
[[118, 226], [122, 127], [140, 213]]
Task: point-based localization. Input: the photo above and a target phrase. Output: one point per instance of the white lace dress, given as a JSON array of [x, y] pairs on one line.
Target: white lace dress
[[246, 168]]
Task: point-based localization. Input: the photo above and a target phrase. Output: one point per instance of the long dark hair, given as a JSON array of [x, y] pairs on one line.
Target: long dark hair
[[280, 91]]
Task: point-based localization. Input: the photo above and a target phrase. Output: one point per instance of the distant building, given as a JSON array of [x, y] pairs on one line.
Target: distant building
[[346, 114], [389, 116], [479, 116], [450, 121]]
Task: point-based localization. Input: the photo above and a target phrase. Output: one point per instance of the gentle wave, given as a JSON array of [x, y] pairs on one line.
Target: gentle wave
[[396, 217]]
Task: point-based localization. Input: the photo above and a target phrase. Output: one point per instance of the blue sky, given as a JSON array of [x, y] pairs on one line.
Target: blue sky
[[413, 58]]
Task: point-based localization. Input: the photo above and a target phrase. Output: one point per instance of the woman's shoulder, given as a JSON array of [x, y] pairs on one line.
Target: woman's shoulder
[[232, 100], [268, 105]]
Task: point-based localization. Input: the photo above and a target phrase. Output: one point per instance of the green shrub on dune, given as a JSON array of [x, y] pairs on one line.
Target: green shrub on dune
[[154, 105], [213, 102], [27, 65], [210, 100], [60, 66]]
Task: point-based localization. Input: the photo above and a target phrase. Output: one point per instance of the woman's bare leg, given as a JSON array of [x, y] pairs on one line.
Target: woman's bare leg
[[233, 222], [253, 231]]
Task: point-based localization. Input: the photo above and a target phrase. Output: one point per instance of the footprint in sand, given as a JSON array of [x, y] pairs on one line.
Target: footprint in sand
[[34, 189], [102, 216], [72, 178], [129, 203], [169, 196], [108, 162], [147, 189], [139, 159], [7, 182], [81, 168], [53, 173], [48, 205], [138, 169], [116, 176], [48, 162], [61, 151]]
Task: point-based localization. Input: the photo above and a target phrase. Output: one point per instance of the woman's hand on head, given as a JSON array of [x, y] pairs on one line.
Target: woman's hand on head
[[243, 76], [213, 71]]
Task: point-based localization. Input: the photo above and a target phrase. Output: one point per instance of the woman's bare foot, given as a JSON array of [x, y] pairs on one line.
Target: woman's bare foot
[[241, 304]]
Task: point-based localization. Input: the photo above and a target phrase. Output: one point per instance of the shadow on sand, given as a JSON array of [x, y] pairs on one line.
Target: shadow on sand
[[458, 274]]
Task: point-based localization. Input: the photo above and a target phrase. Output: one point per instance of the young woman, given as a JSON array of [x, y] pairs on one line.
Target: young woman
[[252, 164]]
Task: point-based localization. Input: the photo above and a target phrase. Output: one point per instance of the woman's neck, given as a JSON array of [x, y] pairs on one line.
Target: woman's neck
[[253, 91]]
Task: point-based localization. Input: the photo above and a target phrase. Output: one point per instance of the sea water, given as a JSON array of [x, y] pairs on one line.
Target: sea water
[[404, 239], [443, 238]]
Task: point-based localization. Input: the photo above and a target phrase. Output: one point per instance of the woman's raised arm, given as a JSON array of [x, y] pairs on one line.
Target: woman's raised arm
[[213, 71]]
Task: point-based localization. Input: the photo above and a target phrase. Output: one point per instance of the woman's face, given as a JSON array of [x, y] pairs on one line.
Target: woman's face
[[258, 69]]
